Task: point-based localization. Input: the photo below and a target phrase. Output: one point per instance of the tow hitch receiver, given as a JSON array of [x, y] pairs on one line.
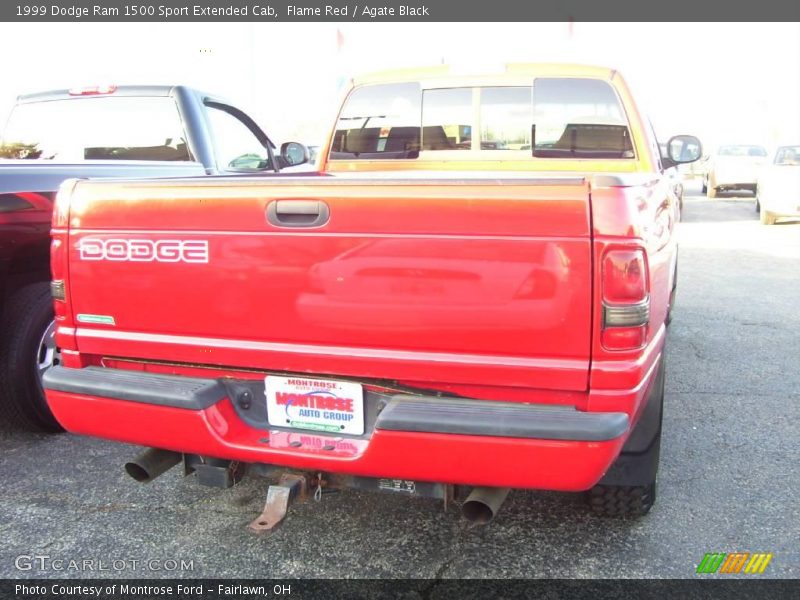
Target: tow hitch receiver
[[291, 487]]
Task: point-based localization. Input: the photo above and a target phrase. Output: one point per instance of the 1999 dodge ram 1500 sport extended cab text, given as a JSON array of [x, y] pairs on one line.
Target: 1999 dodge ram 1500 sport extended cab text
[[476, 294], [97, 132]]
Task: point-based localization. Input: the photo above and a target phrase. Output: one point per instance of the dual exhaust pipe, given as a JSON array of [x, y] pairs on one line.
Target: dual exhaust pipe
[[480, 507]]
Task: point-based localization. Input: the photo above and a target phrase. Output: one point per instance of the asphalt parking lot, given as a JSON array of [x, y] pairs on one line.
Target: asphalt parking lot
[[728, 481]]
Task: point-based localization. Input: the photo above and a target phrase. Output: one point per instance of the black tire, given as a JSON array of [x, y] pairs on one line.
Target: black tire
[[672, 296], [629, 487], [621, 501], [26, 318], [704, 188]]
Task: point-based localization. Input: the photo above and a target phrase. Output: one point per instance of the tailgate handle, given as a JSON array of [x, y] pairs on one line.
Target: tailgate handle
[[297, 213]]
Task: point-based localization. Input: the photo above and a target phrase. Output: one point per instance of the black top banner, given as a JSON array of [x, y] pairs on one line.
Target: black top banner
[[396, 11]]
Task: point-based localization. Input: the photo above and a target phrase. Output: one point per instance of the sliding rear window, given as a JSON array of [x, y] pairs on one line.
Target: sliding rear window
[[505, 117], [552, 118]]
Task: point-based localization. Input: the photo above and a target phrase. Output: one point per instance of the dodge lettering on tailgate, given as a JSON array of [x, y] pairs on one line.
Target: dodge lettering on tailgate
[[133, 250]]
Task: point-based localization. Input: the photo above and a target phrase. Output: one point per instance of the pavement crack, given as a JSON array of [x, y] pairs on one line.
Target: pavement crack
[[425, 592], [764, 324], [447, 562], [696, 349]]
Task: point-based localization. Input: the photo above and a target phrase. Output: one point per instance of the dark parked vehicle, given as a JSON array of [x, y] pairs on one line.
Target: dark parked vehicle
[[128, 131]]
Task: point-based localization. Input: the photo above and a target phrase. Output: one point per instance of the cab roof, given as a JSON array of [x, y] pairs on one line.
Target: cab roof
[[480, 74], [122, 90]]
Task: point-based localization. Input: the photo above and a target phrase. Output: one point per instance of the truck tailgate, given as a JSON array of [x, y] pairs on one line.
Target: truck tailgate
[[434, 281]]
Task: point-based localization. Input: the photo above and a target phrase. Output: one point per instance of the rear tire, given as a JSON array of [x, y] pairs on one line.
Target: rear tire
[[629, 486], [621, 501], [672, 296], [26, 351], [705, 187]]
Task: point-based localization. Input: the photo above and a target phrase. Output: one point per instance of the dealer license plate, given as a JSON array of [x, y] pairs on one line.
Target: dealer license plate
[[315, 404]]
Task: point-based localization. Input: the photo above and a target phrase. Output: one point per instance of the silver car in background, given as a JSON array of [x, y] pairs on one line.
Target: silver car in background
[[778, 193], [733, 167]]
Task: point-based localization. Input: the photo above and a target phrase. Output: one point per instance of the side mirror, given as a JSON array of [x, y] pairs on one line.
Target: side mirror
[[294, 153], [683, 149]]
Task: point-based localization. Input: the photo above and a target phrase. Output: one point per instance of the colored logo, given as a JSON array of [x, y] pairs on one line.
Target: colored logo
[[316, 404], [734, 562]]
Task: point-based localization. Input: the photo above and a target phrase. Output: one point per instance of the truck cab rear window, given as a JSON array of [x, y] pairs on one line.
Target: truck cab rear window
[[105, 128], [579, 118], [552, 118], [756, 151], [447, 119], [505, 118], [379, 122]]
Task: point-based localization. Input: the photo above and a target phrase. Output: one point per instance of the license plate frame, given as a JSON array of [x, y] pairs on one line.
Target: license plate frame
[[314, 404]]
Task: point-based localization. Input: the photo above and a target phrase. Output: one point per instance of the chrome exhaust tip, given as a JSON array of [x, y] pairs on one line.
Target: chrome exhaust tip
[[483, 504], [151, 463]]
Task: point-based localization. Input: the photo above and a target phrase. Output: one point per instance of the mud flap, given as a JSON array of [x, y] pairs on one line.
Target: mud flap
[[637, 464]]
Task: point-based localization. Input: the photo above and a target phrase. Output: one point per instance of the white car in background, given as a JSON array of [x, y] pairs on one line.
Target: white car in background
[[733, 167], [778, 193]]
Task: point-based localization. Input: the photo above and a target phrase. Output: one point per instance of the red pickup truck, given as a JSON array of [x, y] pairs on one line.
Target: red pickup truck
[[474, 292]]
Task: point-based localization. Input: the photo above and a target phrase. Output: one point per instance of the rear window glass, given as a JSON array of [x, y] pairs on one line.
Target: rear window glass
[[756, 151], [447, 119], [788, 155], [107, 128], [553, 118], [505, 118], [379, 122], [579, 118]]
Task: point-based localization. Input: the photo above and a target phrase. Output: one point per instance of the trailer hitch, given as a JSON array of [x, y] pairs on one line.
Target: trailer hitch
[[290, 488]]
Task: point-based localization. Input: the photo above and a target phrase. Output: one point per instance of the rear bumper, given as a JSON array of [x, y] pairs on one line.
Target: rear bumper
[[733, 179], [735, 184], [785, 206], [456, 441]]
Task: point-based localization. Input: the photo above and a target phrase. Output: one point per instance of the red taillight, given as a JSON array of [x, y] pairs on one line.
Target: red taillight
[[626, 299], [93, 90], [624, 338], [624, 276]]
